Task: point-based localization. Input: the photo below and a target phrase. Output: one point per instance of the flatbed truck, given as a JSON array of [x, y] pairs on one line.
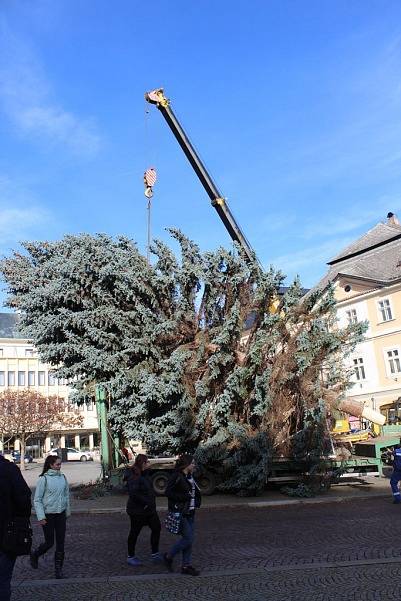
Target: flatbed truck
[[369, 459]]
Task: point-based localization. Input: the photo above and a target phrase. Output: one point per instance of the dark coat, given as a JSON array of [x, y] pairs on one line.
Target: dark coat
[[397, 458], [178, 492], [142, 497], [15, 495]]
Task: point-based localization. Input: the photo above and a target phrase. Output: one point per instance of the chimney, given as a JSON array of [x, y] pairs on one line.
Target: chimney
[[392, 219]]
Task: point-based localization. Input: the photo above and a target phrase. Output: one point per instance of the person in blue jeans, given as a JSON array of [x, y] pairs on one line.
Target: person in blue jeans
[[396, 475], [183, 497], [15, 501]]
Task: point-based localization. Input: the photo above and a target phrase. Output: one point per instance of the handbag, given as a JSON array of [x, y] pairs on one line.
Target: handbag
[[17, 538], [173, 522]]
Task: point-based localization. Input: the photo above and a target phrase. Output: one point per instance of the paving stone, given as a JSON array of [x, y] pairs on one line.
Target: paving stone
[[323, 584], [344, 552]]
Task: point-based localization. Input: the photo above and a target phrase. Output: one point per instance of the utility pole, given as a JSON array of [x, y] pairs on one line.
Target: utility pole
[[100, 395]]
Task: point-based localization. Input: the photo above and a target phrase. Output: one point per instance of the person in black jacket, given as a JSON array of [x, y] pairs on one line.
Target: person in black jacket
[[15, 501], [183, 497], [141, 508]]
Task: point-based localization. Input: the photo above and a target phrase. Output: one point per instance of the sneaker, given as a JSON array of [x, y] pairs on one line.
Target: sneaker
[[396, 501], [134, 561], [168, 562], [157, 558], [190, 571]]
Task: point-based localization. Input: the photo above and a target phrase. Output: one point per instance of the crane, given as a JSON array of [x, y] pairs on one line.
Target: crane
[[158, 98]]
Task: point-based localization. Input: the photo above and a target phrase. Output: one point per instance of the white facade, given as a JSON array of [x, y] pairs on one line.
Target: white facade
[[21, 368]]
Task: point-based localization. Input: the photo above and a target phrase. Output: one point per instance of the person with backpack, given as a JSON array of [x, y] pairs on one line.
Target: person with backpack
[[15, 501], [183, 498], [141, 508], [52, 506]]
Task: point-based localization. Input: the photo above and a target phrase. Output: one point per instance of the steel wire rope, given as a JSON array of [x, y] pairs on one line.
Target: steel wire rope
[[150, 154]]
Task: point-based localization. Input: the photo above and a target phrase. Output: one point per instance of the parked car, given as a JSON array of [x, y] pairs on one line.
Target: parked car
[[7, 455], [73, 454], [16, 455]]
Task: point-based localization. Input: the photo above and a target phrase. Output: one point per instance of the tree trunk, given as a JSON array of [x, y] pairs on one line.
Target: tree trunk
[[22, 452]]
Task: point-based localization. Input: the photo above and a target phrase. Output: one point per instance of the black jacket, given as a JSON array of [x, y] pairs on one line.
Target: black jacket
[[142, 498], [15, 495], [178, 492]]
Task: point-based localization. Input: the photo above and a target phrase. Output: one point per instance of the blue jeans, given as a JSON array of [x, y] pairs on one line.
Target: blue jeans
[[395, 478], [186, 540], [6, 571]]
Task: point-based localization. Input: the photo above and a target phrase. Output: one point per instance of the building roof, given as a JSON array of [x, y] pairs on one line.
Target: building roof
[[378, 236], [9, 325], [374, 258]]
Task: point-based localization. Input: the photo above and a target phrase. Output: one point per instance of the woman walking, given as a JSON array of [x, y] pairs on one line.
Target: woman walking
[[52, 506], [141, 508], [183, 497]]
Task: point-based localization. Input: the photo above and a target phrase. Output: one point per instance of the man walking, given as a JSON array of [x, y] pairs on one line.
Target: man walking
[[15, 501], [396, 475]]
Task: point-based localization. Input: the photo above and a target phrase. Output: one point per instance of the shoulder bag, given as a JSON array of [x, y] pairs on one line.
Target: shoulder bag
[[173, 522], [17, 538]]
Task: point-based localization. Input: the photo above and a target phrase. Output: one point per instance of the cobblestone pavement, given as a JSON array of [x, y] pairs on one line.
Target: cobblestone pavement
[[344, 551]]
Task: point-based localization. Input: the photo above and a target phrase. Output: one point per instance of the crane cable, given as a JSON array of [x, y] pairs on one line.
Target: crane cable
[[149, 179]]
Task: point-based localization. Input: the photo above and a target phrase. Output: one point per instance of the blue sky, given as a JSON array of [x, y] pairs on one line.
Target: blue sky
[[294, 106]]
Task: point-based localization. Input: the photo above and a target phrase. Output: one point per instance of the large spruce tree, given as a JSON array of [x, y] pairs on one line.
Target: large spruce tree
[[199, 352]]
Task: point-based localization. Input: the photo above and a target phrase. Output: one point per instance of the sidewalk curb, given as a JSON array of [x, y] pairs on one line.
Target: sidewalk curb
[[160, 576], [248, 504]]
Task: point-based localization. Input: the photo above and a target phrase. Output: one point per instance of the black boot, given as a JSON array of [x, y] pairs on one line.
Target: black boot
[[58, 564], [34, 559]]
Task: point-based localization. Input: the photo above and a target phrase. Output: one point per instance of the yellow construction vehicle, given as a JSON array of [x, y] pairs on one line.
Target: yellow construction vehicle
[[342, 433]]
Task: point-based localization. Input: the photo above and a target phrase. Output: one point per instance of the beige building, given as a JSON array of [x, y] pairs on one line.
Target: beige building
[[21, 368], [367, 282]]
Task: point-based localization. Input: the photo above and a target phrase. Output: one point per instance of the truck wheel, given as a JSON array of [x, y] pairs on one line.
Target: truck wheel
[[206, 483], [159, 481]]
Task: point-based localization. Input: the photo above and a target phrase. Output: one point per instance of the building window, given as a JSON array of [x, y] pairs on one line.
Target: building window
[[21, 378], [51, 379], [359, 369], [29, 352], [351, 316], [385, 310], [2, 379], [11, 378], [393, 359], [41, 378], [1, 352], [31, 378]]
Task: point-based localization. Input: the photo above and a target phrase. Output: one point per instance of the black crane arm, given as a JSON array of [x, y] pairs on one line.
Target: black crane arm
[[158, 98]]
